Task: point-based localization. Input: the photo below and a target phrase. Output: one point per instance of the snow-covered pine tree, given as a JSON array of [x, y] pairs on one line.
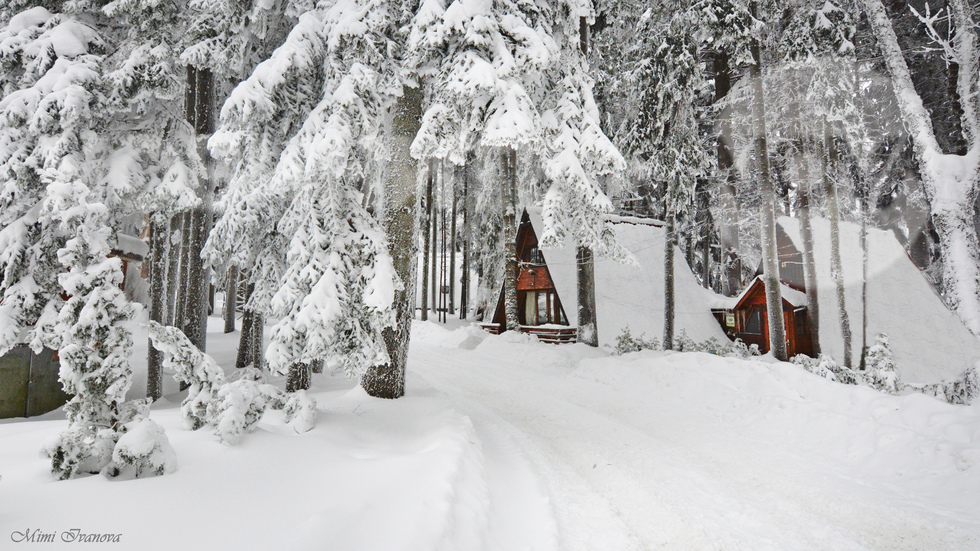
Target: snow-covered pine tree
[[880, 365], [68, 178], [664, 135]]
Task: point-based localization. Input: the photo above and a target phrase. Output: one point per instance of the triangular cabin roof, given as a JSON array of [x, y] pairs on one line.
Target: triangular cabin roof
[[633, 295], [928, 340]]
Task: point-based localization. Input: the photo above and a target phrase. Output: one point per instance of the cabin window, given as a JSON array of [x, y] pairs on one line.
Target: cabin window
[[541, 307], [753, 325], [535, 257]]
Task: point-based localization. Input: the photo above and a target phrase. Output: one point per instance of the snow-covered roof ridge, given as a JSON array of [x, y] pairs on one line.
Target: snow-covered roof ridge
[[790, 295]]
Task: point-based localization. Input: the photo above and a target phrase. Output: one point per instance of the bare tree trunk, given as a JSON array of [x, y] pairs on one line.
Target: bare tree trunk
[[588, 330], [258, 340], [426, 235], [464, 295], [245, 338], [669, 246], [299, 377], [158, 267], [452, 244], [317, 366], [770, 260], [231, 298], [399, 211], [864, 274], [199, 104], [508, 165], [833, 210], [809, 267], [435, 235]]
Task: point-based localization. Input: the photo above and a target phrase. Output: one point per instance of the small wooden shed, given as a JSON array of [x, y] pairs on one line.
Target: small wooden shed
[[749, 320]]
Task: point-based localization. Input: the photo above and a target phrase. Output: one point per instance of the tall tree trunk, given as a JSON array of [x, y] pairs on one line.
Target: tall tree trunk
[[669, 246], [864, 273], [809, 266], [508, 166], [399, 212], [426, 214], [833, 211], [245, 338], [728, 228], [452, 244], [199, 105], [442, 250], [158, 266], [770, 259], [464, 294], [299, 377], [231, 298], [435, 236]]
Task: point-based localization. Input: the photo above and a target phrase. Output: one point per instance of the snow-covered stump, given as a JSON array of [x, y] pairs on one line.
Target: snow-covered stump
[[144, 450]]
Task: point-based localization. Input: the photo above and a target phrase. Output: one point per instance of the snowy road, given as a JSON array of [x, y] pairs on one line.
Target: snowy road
[[638, 454]]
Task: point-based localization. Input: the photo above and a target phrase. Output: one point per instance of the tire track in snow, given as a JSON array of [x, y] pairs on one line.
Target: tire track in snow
[[651, 490]]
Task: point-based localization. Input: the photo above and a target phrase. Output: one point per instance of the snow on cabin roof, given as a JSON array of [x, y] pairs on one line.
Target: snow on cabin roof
[[790, 295], [928, 340], [131, 247], [633, 296]]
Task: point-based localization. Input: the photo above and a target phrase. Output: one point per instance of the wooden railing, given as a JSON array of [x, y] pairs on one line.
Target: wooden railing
[[549, 333]]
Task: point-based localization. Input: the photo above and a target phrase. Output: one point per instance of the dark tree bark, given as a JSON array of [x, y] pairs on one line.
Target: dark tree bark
[[435, 236], [452, 244], [588, 330], [300, 377], [770, 259], [231, 299], [508, 168], [426, 236], [158, 266], [316, 366], [258, 342], [464, 295], [199, 105], [399, 211], [669, 246], [245, 339]]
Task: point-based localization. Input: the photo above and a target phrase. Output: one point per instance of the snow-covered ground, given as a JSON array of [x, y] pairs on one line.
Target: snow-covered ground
[[503, 443]]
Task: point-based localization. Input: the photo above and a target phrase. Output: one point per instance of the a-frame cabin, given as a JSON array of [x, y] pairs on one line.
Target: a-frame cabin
[[539, 308], [749, 320]]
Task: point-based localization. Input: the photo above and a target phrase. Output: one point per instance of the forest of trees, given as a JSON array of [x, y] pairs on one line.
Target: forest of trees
[[307, 155]]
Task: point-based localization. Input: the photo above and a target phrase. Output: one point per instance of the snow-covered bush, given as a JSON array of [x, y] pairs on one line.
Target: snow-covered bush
[[300, 411], [191, 367], [826, 367], [626, 343], [143, 450], [880, 365], [238, 405], [961, 390]]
